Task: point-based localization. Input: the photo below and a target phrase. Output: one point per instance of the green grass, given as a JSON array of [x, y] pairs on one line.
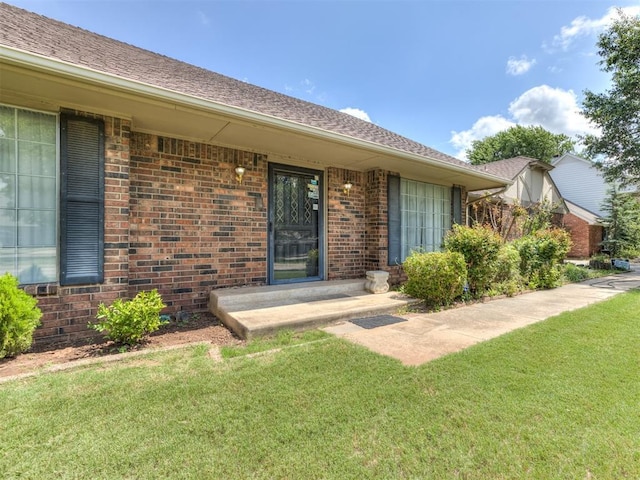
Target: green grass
[[284, 338], [558, 399]]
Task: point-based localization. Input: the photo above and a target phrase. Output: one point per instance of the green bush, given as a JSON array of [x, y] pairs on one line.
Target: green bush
[[479, 245], [508, 280], [435, 277], [507, 264], [573, 273], [19, 317], [128, 321], [541, 256]]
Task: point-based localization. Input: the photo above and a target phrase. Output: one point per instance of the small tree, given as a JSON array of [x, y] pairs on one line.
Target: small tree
[[622, 223]]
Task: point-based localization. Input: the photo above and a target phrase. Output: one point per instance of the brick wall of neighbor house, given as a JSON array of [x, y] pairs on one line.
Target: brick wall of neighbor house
[[193, 226], [586, 238], [67, 310], [345, 225]]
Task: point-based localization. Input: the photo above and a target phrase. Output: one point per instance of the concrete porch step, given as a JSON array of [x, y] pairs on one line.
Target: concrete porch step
[[259, 311]]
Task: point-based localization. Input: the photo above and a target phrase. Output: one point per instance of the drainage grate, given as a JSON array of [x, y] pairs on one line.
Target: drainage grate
[[378, 321]]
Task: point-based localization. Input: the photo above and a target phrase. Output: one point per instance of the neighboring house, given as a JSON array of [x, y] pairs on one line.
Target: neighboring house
[[531, 185], [586, 231], [580, 182], [124, 170], [584, 187]]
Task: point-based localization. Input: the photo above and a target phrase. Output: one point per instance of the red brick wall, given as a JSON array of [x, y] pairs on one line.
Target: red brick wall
[[346, 225], [177, 220], [377, 232], [193, 226], [66, 310], [586, 238]]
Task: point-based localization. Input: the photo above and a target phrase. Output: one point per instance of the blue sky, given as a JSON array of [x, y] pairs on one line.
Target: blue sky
[[439, 72]]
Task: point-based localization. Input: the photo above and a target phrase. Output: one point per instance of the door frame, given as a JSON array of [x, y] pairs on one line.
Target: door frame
[[272, 169]]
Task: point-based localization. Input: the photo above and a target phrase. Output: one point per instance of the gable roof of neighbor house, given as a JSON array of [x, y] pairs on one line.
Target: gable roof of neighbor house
[[510, 168], [35, 34]]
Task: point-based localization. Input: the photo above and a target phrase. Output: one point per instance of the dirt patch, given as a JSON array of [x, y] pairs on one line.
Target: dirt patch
[[202, 327]]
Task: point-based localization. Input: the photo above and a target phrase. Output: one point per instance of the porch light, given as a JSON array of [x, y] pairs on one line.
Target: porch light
[[347, 187], [239, 173]]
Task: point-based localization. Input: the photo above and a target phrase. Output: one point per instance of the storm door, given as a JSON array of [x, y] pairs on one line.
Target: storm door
[[295, 224]]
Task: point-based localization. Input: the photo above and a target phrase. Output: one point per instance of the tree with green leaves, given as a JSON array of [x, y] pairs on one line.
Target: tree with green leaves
[[622, 223], [533, 141], [617, 111]]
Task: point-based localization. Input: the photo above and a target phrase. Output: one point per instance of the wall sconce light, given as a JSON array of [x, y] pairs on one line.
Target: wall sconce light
[[347, 187], [239, 173]]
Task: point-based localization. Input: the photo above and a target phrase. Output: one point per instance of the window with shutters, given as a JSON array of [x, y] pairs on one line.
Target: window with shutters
[[28, 194], [51, 197]]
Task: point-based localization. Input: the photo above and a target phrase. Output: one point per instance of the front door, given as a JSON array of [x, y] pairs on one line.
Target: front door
[[295, 224]]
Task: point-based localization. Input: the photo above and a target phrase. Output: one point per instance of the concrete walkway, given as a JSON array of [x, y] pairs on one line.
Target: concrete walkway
[[418, 338]]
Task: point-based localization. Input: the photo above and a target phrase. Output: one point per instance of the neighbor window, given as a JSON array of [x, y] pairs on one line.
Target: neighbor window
[[28, 194]]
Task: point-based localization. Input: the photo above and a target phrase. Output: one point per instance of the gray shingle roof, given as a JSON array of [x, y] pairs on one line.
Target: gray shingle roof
[[37, 34], [511, 167]]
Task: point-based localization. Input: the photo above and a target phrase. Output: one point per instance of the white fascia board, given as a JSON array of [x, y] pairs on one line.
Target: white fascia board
[[61, 68]]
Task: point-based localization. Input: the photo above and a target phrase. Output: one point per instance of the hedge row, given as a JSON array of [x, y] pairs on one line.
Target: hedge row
[[476, 261]]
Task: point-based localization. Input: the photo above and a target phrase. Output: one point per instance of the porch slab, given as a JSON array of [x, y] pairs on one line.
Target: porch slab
[[258, 311]]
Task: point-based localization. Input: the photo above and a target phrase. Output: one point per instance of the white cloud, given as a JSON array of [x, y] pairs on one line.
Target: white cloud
[[483, 127], [519, 66], [356, 112], [583, 26], [553, 109]]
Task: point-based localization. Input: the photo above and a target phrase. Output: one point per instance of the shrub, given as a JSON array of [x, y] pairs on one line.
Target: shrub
[[600, 262], [573, 273], [541, 255], [508, 280], [479, 245], [507, 264], [435, 277], [19, 317], [128, 321]]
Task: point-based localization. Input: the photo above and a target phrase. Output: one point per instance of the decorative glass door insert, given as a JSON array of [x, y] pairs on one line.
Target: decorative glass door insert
[[295, 216]]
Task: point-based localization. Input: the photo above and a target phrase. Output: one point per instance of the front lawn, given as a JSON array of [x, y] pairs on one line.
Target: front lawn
[[558, 399]]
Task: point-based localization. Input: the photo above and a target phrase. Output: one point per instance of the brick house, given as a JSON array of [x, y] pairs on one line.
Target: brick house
[[587, 232], [124, 170]]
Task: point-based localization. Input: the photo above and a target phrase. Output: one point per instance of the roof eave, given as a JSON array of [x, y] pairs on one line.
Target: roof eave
[[42, 63]]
